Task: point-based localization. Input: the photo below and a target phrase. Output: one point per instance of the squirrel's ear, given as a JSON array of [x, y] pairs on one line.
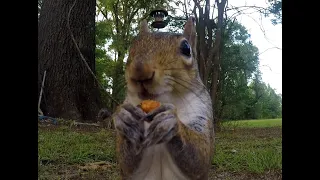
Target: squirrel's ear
[[190, 31], [144, 27]]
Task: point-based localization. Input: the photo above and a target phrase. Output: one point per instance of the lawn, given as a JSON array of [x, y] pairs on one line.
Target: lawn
[[261, 123], [245, 150]]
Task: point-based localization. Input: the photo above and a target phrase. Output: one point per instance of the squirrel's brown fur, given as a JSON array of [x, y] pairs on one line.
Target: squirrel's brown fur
[[178, 142]]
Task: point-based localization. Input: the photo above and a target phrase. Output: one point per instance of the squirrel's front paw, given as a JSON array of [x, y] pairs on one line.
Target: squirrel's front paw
[[128, 123], [163, 125]]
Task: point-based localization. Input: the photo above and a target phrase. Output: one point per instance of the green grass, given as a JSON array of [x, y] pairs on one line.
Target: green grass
[[261, 123], [254, 147], [63, 146], [256, 153]]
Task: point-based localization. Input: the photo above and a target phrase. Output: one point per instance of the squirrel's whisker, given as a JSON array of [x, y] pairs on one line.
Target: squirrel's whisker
[[186, 87]]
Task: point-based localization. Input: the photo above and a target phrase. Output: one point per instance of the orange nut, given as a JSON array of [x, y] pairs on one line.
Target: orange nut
[[149, 105]]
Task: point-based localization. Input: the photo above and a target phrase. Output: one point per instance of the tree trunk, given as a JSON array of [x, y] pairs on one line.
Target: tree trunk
[[118, 81], [217, 60], [202, 49], [70, 90]]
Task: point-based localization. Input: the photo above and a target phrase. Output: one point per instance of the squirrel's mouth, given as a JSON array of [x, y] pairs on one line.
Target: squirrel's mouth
[[144, 94]]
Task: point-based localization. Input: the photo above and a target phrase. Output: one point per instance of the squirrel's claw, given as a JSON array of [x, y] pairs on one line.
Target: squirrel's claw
[[127, 123], [163, 107], [163, 126]]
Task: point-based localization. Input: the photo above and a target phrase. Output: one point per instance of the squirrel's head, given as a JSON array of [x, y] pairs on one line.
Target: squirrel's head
[[161, 63]]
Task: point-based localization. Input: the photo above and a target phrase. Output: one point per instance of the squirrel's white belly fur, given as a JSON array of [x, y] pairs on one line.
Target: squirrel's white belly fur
[[157, 164]]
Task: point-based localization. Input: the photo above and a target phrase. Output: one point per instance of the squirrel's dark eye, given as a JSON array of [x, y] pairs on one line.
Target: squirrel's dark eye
[[185, 48]]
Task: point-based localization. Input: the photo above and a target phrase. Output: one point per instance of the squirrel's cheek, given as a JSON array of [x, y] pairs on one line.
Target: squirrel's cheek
[[157, 76], [187, 61]]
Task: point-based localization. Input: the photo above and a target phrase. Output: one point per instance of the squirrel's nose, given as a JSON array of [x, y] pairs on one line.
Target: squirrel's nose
[[142, 72]]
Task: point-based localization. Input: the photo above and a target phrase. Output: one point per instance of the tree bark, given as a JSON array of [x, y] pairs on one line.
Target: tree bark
[[201, 46], [215, 54], [118, 81], [70, 90]]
